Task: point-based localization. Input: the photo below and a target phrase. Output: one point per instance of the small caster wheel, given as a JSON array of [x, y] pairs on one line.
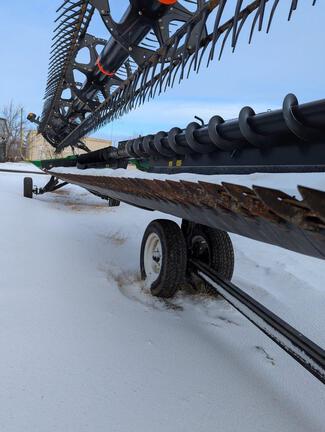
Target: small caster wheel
[[28, 187], [163, 257], [113, 202], [211, 246]]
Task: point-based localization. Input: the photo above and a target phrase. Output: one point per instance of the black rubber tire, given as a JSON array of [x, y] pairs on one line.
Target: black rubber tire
[[174, 257], [113, 202], [220, 256], [28, 187]]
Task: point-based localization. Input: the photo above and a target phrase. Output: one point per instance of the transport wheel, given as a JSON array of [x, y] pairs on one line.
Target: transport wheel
[[211, 246], [163, 257], [28, 187], [113, 202]]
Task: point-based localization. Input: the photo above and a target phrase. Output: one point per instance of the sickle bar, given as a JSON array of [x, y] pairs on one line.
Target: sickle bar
[[262, 214]]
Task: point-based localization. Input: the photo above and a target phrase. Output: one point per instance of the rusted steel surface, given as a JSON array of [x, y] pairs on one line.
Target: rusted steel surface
[[263, 214], [315, 200]]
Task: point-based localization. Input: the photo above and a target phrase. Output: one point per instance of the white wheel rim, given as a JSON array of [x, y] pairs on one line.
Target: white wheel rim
[[152, 258]]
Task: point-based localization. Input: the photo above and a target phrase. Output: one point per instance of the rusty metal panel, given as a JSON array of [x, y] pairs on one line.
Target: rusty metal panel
[[262, 214]]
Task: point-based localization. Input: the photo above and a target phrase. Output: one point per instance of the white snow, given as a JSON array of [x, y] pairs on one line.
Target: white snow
[[84, 346]]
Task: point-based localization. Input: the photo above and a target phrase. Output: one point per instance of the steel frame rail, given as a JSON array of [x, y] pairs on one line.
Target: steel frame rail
[[22, 171], [298, 346]]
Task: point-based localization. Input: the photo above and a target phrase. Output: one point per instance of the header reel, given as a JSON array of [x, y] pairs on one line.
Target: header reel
[[155, 45]]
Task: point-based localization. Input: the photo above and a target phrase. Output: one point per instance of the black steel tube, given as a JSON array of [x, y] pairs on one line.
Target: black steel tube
[[135, 24], [98, 156], [298, 346]]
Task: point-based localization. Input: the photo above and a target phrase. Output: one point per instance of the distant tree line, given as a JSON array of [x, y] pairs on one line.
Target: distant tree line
[[16, 142]]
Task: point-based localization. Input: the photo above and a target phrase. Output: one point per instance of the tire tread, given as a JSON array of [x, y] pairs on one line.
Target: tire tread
[[28, 187], [175, 257]]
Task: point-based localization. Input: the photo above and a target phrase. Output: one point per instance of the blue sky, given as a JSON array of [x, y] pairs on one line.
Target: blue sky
[[289, 59]]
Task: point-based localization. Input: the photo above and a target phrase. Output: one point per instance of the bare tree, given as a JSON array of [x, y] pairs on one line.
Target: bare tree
[[16, 126]]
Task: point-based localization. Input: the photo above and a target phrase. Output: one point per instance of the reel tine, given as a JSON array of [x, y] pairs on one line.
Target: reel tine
[[172, 60], [215, 35], [188, 35], [153, 74], [235, 22], [224, 41], [275, 5], [62, 5], [261, 14], [145, 73], [294, 5], [175, 74], [242, 22], [253, 26], [202, 27], [185, 63], [162, 68], [190, 66], [201, 57], [164, 78]]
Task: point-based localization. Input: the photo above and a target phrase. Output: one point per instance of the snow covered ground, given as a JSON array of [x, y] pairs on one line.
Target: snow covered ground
[[84, 347]]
